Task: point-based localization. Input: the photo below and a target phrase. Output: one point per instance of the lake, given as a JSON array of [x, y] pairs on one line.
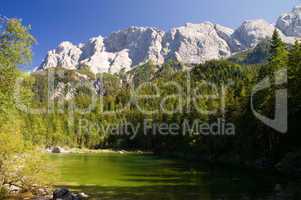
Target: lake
[[114, 176]]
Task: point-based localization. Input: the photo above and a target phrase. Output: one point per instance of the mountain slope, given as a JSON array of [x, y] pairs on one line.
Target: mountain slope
[[189, 44]]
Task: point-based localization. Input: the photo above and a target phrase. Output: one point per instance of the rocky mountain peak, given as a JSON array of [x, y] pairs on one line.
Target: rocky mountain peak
[[191, 44], [196, 43], [93, 46], [290, 23], [297, 8], [142, 43], [65, 46], [65, 55], [250, 33]]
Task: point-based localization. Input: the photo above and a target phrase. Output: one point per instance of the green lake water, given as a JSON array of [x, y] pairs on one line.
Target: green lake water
[[113, 176]]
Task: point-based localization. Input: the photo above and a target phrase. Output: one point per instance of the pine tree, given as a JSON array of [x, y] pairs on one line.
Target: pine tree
[[279, 54], [294, 60], [294, 73], [278, 58]]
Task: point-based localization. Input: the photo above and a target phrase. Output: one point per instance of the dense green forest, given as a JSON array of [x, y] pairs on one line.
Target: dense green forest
[[120, 103], [116, 103]]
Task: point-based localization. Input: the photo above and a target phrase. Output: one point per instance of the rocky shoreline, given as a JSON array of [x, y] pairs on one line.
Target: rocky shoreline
[[47, 194], [66, 150], [280, 192], [37, 192]]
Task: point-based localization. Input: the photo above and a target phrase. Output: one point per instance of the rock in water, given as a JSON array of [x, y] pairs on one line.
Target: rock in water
[[64, 194], [82, 196]]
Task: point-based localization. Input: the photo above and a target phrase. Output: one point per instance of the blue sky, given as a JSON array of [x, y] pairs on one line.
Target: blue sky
[[54, 21]]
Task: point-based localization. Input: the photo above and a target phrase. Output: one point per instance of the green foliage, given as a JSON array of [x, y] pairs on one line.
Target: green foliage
[[15, 43], [278, 60], [260, 54], [143, 73], [19, 165], [279, 54], [294, 72], [85, 70], [111, 83], [220, 72]]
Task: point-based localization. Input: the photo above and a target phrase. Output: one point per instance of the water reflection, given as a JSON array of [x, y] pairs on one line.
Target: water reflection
[[122, 177]]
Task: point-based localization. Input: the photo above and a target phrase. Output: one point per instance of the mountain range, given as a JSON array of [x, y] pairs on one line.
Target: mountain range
[[188, 44]]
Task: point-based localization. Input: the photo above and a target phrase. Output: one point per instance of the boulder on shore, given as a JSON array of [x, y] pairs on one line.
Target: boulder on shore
[[56, 149]]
